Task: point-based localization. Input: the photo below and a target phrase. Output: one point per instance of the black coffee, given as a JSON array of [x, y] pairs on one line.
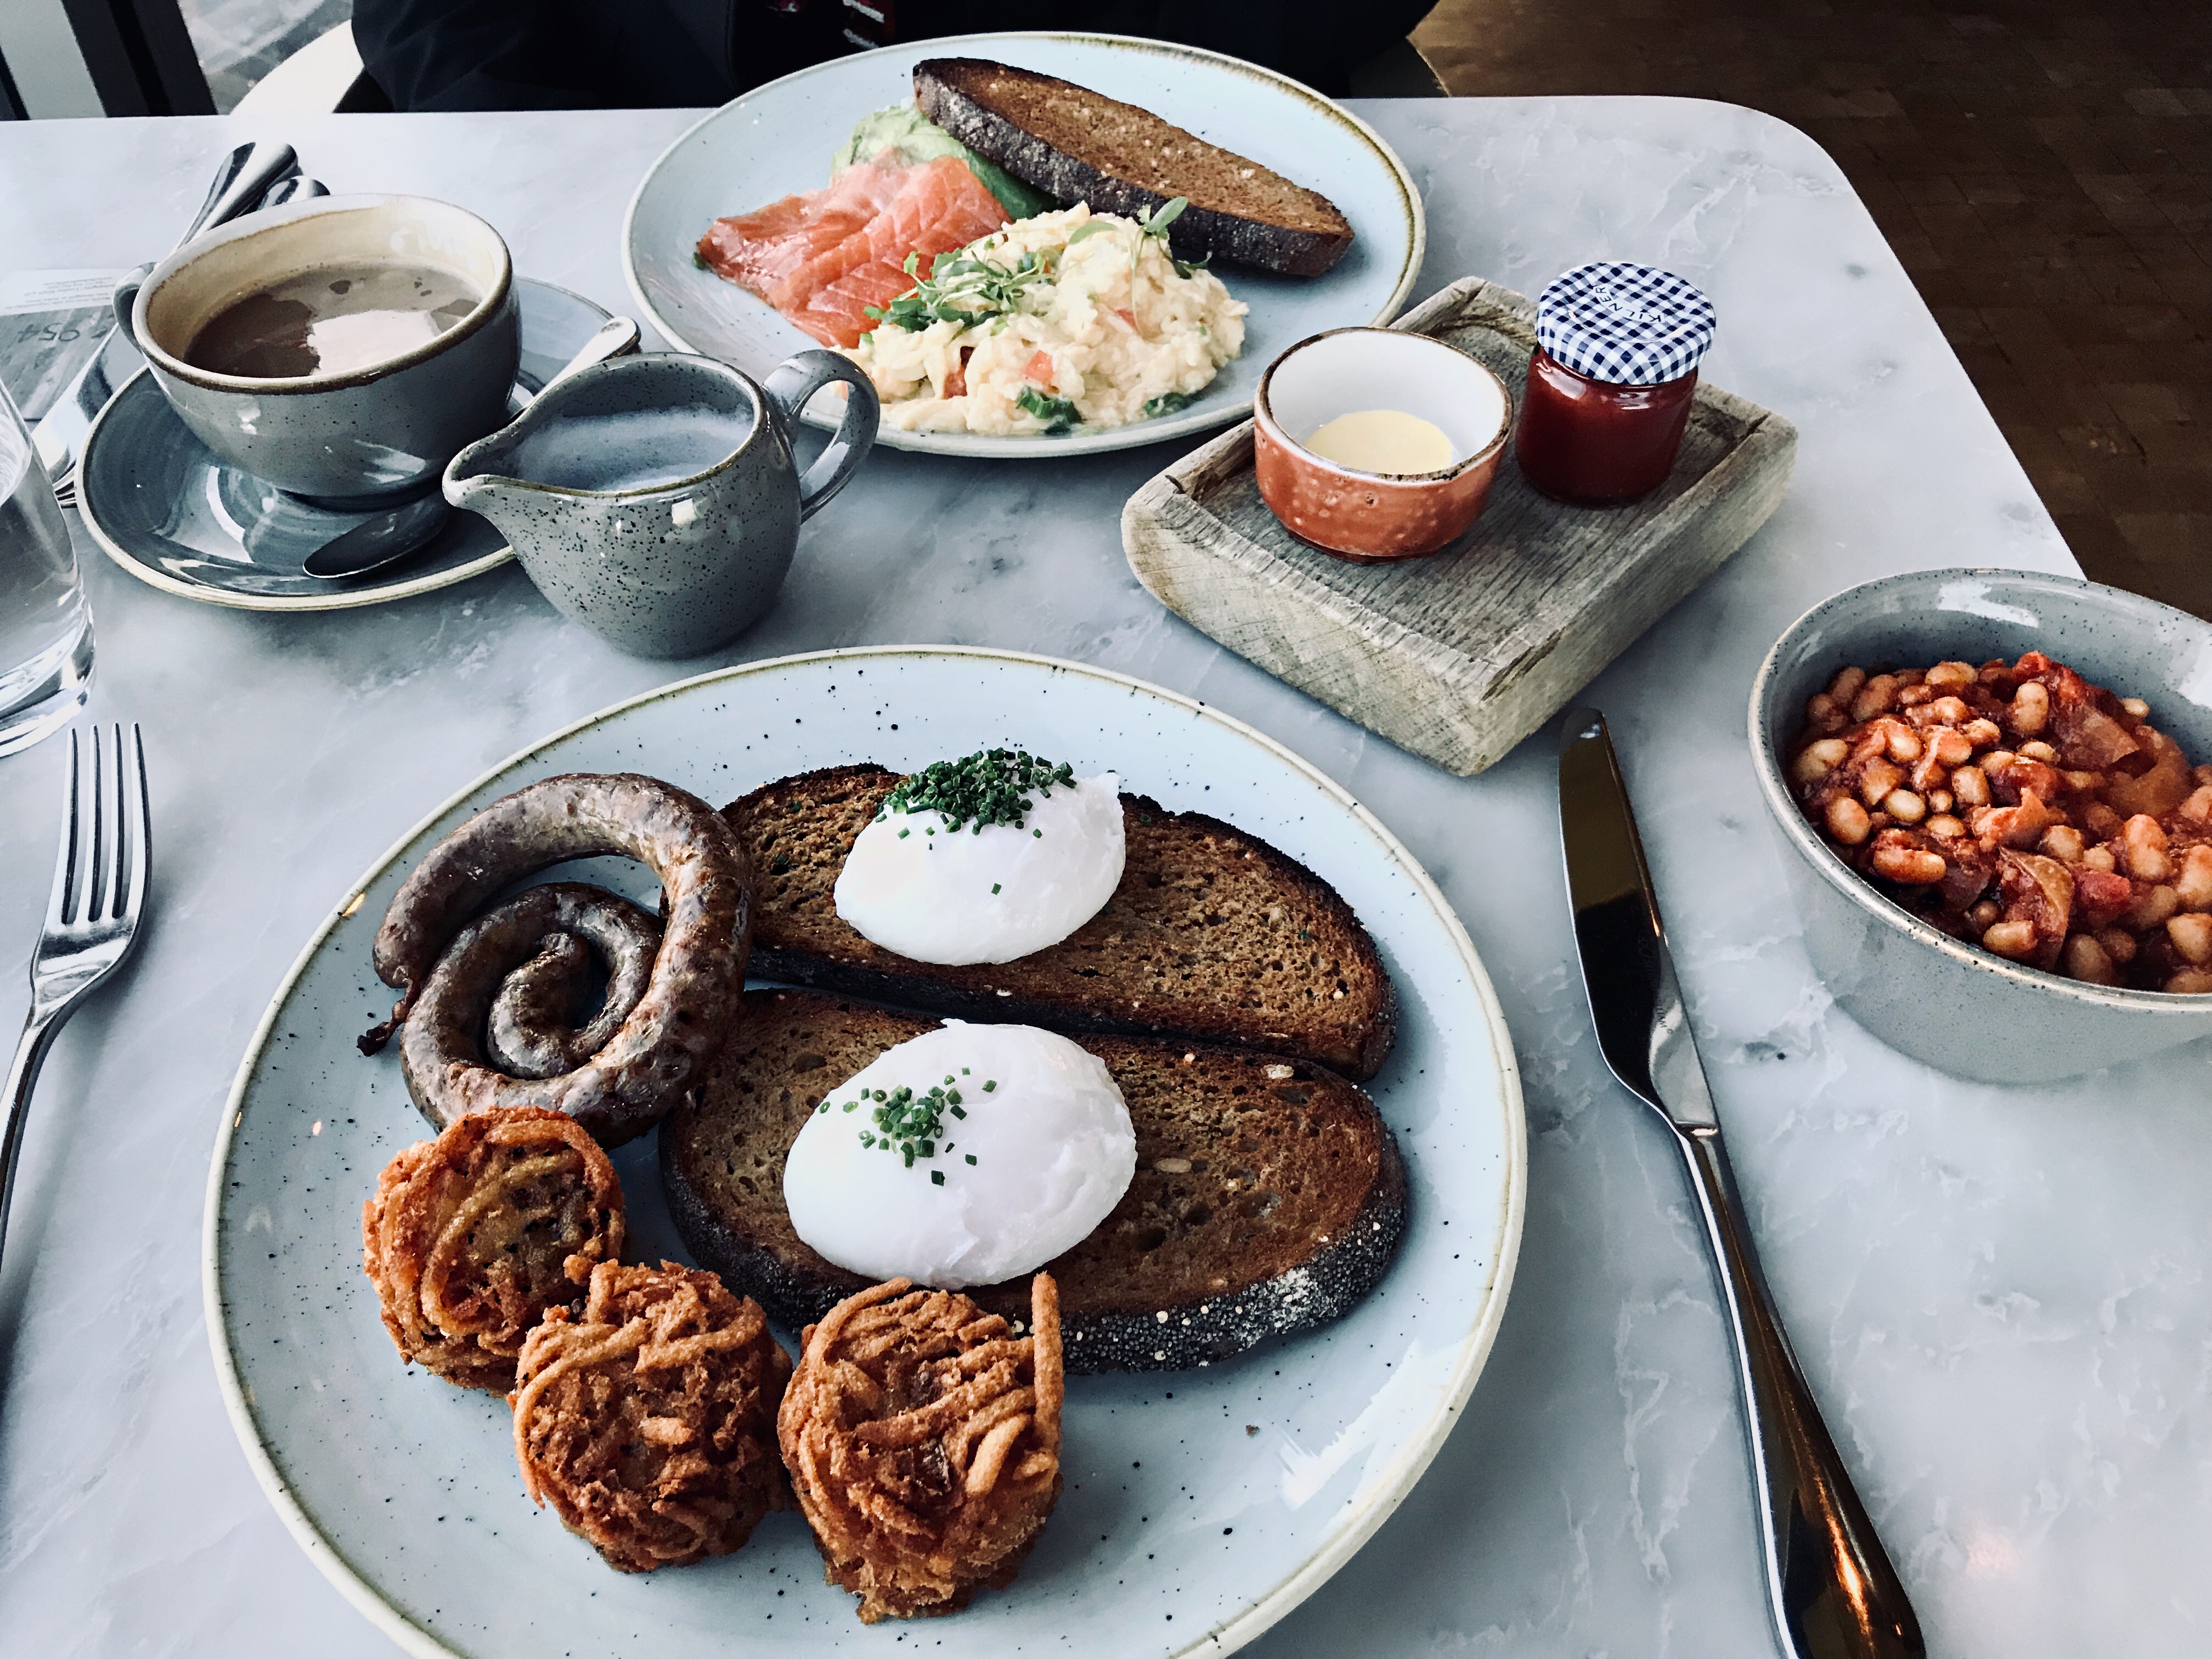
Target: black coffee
[[331, 321]]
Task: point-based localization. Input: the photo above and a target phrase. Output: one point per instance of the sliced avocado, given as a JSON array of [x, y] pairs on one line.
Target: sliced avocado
[[916, 138]]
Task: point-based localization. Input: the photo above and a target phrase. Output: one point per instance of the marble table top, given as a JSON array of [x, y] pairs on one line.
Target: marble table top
[[1999, 1295]]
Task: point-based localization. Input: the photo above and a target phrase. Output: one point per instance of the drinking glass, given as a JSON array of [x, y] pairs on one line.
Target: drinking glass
[[46, 627]]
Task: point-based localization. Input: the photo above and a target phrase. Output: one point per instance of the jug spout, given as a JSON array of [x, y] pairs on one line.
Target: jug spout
[[476, 477]]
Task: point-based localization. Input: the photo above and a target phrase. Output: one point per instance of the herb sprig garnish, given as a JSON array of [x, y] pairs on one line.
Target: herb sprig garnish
[[909, 1123], [1157, 223], [991, 786], [962, 288]]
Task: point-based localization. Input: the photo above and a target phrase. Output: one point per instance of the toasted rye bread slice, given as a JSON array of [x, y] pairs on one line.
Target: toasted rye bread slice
[[1080, 146], [1213, 934], [1269, 1196]]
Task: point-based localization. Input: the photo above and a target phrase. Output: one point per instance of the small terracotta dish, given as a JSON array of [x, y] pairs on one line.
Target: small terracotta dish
[[1373, 517]]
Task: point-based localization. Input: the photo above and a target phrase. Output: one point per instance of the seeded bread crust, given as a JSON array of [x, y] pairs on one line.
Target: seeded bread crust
[[1269, 1196], [1213, 934], [1077, 145]]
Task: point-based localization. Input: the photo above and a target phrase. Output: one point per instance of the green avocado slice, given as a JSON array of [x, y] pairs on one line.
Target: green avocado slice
[[916, 138]]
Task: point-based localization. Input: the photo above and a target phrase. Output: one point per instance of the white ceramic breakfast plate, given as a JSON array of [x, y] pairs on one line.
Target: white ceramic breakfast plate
[[1200, 1505], [777, 140]]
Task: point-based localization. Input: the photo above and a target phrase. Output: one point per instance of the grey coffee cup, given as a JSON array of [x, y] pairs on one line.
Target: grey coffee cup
[[383, 430], [656, 500]]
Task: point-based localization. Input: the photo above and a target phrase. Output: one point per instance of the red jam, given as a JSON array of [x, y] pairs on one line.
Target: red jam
[[1593, 444]]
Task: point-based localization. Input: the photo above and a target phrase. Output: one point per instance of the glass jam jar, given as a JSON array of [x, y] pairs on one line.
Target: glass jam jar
[[1610, 382]]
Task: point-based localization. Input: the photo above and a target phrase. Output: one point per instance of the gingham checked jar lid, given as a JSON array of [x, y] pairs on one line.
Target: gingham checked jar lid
[[1625, 324]]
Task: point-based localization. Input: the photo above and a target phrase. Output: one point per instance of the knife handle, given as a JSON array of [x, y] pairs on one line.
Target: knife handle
[[1833, 1593]]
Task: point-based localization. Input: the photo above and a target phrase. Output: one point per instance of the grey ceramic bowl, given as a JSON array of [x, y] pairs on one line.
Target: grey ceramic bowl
[[1955, 1007]]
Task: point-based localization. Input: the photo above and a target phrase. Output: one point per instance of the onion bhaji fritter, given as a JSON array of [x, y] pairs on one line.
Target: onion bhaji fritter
[[923, 1440], [649, 1422], [471, 1237]]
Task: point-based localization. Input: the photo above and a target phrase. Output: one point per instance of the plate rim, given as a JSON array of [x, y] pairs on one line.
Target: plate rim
[[975, 446], [1381, 1496], [230, 598]]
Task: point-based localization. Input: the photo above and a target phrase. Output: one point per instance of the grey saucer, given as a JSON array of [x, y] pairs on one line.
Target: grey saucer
[[171, 514]]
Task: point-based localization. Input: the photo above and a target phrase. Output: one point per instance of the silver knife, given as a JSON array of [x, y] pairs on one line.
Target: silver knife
[[245, 172], [1831, 1589]]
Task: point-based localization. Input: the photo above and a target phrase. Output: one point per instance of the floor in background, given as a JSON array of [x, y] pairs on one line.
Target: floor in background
[[2044, 171], [238, 41]]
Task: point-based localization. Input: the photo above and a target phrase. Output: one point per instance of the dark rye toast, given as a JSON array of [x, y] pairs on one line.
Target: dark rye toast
[[1213, 934], [1078, 145], [1269, 1196]]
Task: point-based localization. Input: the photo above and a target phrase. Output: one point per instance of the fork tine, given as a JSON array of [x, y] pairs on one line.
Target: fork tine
[[114, 831], [137, 822], [92, 863], [65, 858]]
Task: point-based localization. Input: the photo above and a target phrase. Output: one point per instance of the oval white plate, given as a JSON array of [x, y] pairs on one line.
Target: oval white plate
[[1181, 1527], [777, 140]]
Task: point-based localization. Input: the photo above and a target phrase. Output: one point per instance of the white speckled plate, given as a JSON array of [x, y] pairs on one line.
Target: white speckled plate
[[1200, 1506], [778, 139]]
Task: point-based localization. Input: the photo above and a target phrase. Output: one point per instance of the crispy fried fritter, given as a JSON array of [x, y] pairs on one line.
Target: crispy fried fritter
[[471, 1237], [923, 1440], [650, 1422]]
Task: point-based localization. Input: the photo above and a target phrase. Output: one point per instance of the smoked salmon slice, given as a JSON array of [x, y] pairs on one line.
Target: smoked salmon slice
[[822, 260], [754, 250]]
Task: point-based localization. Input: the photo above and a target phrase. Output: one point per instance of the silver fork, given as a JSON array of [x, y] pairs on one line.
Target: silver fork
[[91, 921]]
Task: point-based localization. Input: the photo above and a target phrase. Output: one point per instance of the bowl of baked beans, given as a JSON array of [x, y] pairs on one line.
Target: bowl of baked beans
[[1995, 792]]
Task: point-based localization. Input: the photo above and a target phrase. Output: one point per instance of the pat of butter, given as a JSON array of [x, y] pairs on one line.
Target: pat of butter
[[1383, 440]]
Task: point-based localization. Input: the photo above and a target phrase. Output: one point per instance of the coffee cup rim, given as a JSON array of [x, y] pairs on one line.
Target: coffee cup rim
[[269, 221]]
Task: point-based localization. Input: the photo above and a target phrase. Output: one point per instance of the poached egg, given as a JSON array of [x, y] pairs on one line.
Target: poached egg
[[984, 892], [1021, 1144]]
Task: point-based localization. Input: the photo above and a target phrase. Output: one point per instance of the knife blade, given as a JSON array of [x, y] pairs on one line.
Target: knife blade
[[1831, 1589], [1641, 1024]]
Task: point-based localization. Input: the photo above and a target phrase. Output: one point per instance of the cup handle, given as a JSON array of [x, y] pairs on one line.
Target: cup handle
[[798, 378], [126, 297]]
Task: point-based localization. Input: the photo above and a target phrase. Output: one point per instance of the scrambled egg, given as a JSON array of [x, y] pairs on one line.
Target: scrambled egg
[[1068, 318]]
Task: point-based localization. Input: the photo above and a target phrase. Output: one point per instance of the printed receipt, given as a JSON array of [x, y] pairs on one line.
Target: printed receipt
[[25, 291]]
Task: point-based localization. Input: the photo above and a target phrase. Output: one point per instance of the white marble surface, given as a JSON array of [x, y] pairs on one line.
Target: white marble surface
[[2000, 1295]]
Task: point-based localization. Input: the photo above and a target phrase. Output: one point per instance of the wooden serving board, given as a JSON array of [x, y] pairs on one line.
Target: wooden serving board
[[1458, 656]]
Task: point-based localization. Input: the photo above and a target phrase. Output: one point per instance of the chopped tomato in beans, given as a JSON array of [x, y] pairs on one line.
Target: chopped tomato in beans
[[2017, 806]]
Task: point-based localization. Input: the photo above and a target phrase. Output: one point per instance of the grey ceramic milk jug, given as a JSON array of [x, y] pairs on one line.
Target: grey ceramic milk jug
[[655, 498]]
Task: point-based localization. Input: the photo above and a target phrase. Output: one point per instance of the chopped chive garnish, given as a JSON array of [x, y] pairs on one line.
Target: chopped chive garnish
[[970, 1157], [995, 886], [992, 1084], [936, 1177], [959, 1111], [991, 786], [910, 1122]]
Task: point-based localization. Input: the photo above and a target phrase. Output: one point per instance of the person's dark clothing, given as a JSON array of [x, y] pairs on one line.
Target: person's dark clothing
[[603, 54]]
